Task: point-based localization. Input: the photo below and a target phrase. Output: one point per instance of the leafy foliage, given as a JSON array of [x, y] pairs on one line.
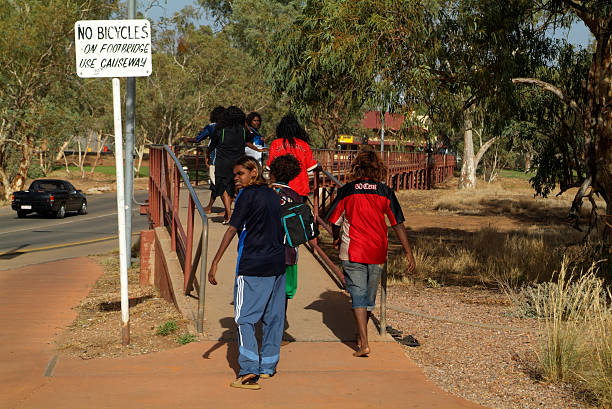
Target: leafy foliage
[[38, 87]]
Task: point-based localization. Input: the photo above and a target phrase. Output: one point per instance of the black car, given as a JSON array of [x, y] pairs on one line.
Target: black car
[[49, 197]]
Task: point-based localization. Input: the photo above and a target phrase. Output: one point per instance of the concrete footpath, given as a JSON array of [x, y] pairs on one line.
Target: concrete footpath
[[316, 371]]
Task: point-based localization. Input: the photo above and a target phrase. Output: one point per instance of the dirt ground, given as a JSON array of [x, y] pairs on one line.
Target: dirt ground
[[472, 342], [96, 332]]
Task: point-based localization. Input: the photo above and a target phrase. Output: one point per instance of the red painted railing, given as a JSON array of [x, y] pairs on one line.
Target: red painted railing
[[165, 177]]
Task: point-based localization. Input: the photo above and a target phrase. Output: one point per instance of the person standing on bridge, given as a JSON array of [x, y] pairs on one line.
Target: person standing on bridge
[[259, 287], [215, 117], [292, 139], [357, 215], [253, 123], [228, 142]]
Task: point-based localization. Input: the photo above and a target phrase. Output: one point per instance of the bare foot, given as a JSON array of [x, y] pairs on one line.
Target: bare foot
[[358, 341], [207, 210], [362, 352]]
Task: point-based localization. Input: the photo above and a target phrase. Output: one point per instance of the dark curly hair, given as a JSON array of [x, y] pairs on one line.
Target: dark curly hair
[[216, 115], [251, 116], [368, 165], [289, 129], [285, 168], [233, 116]]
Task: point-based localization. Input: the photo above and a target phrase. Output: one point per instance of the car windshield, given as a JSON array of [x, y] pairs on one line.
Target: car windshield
[[46, 186]]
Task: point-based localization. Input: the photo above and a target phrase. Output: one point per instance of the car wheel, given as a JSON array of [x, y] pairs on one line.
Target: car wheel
[[83, 208], [21, 214], [61, 212]]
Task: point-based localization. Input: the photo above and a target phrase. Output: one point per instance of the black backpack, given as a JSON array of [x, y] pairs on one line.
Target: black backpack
[[298, 223]]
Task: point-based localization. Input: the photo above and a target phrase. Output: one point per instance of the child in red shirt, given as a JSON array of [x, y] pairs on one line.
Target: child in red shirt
[[357, 215]]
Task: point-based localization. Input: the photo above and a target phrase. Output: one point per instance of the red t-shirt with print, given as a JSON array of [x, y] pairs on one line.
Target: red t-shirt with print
[[359, 209], [303, 153]]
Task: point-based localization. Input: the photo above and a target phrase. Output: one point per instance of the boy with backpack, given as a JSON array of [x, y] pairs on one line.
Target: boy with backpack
[[357, 215], [283, 170]]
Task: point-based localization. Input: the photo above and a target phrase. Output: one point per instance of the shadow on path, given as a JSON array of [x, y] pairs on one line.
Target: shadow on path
[[335, 308]]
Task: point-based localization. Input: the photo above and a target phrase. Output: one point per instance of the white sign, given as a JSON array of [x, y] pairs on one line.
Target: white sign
[[113, 48]]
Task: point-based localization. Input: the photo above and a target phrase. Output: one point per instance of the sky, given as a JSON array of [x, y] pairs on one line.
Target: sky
[[577, 35]]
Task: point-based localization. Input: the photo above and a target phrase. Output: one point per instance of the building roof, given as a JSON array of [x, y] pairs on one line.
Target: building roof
[[371, 120]]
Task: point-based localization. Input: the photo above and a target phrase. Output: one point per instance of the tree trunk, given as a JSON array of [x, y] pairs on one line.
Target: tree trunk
[[27, 150], [598, 120], [528, 156], [468, 167], [101, 143]]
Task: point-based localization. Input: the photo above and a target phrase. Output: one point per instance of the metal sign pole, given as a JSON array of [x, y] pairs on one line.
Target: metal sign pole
[[121, 208], [130, 97]]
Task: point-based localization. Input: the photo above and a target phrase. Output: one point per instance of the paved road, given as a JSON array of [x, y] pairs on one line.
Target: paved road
[[36, 239]]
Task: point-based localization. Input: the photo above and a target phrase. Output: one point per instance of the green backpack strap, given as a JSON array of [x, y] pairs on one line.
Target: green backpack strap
[[223, 135]]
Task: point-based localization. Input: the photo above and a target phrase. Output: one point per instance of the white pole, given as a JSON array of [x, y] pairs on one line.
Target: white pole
[[123, 265]]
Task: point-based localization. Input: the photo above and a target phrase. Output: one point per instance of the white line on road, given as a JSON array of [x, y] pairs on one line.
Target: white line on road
[[80, 219]]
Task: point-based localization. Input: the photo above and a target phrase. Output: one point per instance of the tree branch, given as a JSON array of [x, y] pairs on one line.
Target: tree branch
[[574, 212], [483, 149], [551, 88], [583, 13]]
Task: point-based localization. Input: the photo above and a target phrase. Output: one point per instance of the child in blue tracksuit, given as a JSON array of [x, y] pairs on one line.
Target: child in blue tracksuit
[[259, 289]]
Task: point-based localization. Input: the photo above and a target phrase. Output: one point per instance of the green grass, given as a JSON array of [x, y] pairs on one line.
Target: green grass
[[186, 339], [110, 170], [167, 328], [516, 174]]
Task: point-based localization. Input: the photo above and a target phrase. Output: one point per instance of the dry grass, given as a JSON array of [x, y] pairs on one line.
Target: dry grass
[[575, 321], [488, 256]]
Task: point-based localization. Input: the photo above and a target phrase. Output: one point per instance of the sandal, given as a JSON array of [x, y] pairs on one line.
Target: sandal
[[266, 375], [225, 221], [410, 341], [248, 381]]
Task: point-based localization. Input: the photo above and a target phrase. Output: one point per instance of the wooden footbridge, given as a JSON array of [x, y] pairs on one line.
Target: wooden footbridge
[[168, 174]]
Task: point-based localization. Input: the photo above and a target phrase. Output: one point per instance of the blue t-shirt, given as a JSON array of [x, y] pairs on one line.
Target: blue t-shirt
[[206, 132], [257, 138], [256, 216]]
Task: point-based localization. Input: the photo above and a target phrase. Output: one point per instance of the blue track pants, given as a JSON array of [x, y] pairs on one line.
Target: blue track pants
[[259, 298]]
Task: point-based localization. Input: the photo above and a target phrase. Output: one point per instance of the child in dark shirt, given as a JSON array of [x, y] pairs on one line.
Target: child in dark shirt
[[357, 215], [283, 170], [260, 280]]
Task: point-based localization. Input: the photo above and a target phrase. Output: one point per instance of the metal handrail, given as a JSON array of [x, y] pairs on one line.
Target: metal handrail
[[189, 269]]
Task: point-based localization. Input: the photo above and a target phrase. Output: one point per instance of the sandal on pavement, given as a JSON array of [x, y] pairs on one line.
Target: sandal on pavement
[[248, 381], [225, 221], [266, 375]]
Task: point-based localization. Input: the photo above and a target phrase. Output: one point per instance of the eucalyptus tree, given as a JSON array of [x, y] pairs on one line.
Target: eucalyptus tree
[[38, 83], [195, 70], [477, 47], [552, 129], [591, 103], [339, 55]]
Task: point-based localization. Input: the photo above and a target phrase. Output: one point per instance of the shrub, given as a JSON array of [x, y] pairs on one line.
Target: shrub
[[167, 328], [596, 372], [186, 339], [575, 322]]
